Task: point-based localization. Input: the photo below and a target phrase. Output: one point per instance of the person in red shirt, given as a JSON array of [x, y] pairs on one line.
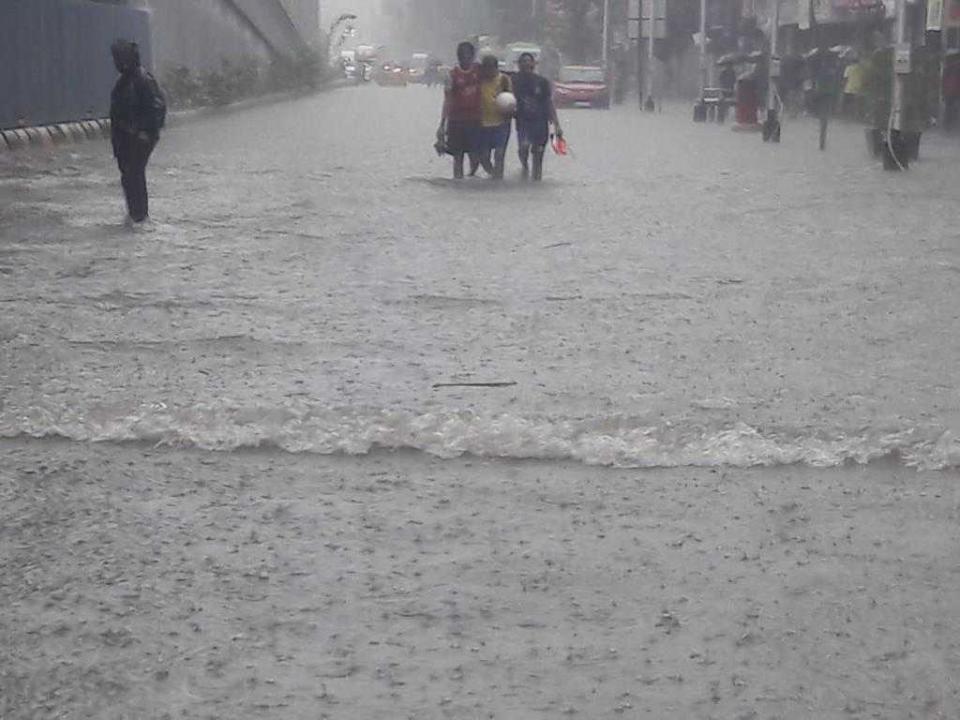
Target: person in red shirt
[[460, 118]]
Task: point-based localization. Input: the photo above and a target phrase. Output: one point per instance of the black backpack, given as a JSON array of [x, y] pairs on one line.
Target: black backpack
[[155, 104]]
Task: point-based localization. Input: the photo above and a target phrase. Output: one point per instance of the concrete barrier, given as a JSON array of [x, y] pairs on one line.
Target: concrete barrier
[[49, 135], [76, 132], [60, 133], [91, 129], [16, 139], [39, 137]]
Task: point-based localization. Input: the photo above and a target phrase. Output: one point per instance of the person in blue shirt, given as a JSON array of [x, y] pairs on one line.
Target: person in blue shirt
[[535, 112]]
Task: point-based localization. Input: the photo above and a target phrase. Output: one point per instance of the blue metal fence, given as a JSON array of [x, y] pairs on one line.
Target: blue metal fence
[[55, 63]]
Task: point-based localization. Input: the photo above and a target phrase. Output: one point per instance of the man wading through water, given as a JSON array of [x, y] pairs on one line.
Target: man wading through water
[[460, 118], [137, 114], [535, 110], [494, 132]]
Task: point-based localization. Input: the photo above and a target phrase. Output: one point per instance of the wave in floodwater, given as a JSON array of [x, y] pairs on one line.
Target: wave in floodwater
[[611, 441]]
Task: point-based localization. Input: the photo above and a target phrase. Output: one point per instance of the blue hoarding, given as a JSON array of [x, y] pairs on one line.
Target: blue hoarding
[[55, 63]]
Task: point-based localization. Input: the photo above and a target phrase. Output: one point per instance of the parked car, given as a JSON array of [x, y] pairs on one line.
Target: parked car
[[582, 86]]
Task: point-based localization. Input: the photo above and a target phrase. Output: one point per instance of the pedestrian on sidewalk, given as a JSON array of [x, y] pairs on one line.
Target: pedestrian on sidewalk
[[137, 114], [494, 124], [535, 112], [460, 117]]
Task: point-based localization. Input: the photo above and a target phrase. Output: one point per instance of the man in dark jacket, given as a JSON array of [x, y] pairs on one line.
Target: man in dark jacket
[[137, 113]]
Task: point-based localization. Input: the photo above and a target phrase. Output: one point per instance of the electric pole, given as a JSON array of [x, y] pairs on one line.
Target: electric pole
[[700, 109], [771, 126], [902, 67], [606, 34]]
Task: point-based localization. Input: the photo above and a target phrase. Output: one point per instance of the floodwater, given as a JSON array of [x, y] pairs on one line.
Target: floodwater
[[672, 295]]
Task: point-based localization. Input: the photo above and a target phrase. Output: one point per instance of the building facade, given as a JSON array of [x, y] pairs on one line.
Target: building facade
[[55, 63], [202, 34]]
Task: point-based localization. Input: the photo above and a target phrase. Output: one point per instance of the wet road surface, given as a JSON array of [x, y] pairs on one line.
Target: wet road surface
[[311, 282], [672, 294]]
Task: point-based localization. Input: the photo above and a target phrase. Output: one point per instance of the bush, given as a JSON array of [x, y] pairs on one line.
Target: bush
[[182, 89], [243, 79]]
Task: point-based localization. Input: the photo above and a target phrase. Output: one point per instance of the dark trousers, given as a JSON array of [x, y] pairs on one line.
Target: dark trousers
[[132, 156]]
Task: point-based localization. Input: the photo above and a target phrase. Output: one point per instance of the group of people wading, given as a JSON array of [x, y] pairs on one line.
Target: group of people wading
[[474, 125]]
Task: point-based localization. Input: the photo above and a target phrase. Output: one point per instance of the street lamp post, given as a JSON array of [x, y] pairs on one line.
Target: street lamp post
[[333, 47], [345, 17]]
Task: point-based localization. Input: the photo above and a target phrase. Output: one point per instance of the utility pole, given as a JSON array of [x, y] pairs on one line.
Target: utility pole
[[902, 67], [606, 34], [654, 18], [771, 126], [700, 109], [635, 34], [650, 104], [703, 47]]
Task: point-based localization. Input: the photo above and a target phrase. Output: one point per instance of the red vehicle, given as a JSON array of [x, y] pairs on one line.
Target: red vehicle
[[582, 86]]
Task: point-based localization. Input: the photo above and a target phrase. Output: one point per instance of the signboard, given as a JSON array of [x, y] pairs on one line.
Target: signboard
[[822, 11], [790, 12], [934, 14], [655, 17], [828, 12], [633, 19]]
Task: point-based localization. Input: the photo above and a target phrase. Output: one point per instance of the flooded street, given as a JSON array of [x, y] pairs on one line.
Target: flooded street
[[772, 331], [673, 294]]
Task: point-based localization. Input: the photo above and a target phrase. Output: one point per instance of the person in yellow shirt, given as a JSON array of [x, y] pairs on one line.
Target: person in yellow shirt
[[853, 89], [494, 125]]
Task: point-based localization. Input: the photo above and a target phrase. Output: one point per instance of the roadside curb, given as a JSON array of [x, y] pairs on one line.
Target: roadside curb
[[48, 136]]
